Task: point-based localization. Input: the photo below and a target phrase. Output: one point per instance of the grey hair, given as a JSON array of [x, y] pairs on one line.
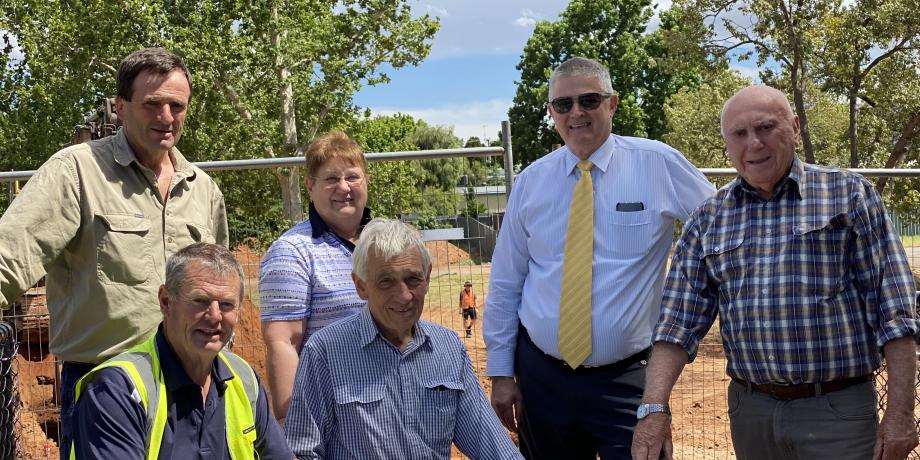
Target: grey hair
[[216, 258], [389, 238], [582, 67]]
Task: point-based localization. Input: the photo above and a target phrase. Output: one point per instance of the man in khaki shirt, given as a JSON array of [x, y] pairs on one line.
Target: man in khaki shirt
[[101, 218]]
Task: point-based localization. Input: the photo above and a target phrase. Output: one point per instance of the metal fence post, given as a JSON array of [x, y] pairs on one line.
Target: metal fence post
[[509, 157], [9, 396]]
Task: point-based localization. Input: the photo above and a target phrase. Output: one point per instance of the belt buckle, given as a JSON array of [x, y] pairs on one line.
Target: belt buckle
[[778, 389]]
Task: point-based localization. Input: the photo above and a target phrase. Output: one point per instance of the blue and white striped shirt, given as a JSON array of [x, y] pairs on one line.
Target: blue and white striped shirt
[[306, 275], [640, 187], [356, 396]]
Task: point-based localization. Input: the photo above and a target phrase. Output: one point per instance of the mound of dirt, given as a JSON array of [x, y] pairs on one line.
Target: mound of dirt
[[445, 253]]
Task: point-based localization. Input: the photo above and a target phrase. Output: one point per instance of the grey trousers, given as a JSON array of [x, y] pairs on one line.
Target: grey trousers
[[840, 425]]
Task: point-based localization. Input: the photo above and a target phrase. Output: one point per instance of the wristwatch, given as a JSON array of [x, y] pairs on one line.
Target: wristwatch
[[645, 409]]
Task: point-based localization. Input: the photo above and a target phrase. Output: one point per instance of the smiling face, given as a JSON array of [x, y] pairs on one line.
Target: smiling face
[[395, 293], [582, 130], [199, 319], [339, 193], [154, 117], [761, 134]]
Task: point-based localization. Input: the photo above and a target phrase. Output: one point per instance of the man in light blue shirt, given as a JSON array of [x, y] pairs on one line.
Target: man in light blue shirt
[[383, 384], [640, 188]]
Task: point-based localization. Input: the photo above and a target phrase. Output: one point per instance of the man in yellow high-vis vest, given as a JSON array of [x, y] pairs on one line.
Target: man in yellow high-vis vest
[[179, 394]]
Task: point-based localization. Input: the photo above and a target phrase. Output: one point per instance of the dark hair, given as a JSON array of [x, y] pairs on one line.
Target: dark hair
[[156, 60], [216, 258]]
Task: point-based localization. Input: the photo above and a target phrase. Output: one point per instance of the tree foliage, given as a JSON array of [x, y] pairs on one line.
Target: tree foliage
[[268, 75], [611, 32]]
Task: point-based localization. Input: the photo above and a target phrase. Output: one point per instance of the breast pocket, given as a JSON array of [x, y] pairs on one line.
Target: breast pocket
[[630, 233], [199, 234], [123, 249], [361, 406], [822, 246], [440, 403]]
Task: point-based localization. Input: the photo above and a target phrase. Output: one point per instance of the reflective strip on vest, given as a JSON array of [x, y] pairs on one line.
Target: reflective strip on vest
[[142, 366]]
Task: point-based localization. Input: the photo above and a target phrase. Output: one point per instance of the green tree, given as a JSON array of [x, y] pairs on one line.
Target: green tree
[[781, 31], [267, 75], [473, 142], [611, 32], [856, 40], [393, 188], [692, 119]]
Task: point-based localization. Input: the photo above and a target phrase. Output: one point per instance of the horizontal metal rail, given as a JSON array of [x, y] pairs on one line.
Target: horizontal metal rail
[[286, 162]]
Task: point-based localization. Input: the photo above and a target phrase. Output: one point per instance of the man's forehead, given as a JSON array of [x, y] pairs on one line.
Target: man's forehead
[[576, 84], [408, 260]]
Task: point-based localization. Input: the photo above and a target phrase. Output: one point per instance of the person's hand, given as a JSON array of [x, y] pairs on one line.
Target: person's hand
[[506, 400], [652, 438], [896, 438]]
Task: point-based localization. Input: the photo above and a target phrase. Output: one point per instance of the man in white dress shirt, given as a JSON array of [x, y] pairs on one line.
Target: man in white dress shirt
[[577, 409]]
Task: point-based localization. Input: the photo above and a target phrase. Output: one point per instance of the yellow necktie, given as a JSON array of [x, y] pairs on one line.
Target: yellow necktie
[[575, 298]]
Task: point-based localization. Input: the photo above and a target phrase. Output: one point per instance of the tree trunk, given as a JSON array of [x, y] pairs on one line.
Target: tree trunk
[[899, 151], [854, 148], [289, 179], [797, 74]]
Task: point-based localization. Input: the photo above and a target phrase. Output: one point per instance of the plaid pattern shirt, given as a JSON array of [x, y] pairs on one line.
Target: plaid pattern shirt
[[808, 285]]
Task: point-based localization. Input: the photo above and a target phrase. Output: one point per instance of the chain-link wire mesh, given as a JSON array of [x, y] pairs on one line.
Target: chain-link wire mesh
[[9, 394], [701, 427]]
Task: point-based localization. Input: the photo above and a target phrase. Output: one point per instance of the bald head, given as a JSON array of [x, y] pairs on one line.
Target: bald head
[[757, 94], [761, 134]]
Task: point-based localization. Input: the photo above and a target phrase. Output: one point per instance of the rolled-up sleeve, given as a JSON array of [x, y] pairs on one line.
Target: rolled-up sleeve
[[883, 273], [689, 305]]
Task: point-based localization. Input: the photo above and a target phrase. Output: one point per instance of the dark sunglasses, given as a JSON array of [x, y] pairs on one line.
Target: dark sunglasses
[[587, 101]]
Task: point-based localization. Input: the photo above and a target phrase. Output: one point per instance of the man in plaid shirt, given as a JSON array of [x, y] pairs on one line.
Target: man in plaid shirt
[[812, 287]]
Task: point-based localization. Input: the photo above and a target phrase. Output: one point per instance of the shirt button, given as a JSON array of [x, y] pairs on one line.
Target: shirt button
[[718, 248], [766, 324], [771, 357], [169, 238], [763, 291]]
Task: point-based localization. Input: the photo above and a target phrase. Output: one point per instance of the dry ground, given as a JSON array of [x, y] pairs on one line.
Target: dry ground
[[699, 399]]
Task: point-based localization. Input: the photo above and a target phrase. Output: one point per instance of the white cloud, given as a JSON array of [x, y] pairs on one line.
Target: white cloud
[[528, 18], [477, 118], [437, 11], [525, 22]]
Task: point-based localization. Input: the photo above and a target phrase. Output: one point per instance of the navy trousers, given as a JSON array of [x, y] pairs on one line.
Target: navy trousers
[[71, 372], [577, 413]]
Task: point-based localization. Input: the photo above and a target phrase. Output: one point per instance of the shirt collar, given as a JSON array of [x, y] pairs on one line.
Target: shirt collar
[[368, 332], [794, 181], [600, 158], [174, 374], [124, 155], [319, 226]]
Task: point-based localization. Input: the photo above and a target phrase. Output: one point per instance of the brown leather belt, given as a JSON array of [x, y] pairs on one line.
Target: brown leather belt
[[803, 390]]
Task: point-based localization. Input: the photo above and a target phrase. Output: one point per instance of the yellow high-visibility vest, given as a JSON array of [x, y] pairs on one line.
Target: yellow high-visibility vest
[[142, 366]]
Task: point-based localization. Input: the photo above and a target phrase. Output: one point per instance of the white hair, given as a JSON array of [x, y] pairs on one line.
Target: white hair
[[389, 238]]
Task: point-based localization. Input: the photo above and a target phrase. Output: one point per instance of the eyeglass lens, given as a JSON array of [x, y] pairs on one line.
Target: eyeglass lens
[[587, 101], [352, 180]]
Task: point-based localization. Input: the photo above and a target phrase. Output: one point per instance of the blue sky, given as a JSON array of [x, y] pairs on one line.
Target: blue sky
[[468, 80]]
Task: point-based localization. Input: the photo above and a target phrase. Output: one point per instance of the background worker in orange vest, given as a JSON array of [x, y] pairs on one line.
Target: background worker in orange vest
[[468, 307]]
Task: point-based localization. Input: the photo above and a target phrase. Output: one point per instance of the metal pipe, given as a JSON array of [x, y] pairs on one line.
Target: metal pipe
[[263, 163], [509, 157]]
